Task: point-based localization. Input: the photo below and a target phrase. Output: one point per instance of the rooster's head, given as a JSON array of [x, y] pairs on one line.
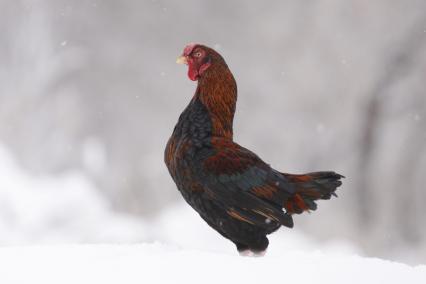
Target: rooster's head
[[199, 59]]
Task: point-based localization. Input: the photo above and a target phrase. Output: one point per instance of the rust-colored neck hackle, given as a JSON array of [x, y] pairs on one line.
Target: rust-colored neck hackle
[[217, 90]]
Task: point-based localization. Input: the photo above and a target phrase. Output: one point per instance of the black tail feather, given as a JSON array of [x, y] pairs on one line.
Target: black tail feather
[[311, 187]]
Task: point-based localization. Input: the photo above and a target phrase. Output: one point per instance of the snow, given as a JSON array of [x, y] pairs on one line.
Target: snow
[[62, 209], [159, 263]]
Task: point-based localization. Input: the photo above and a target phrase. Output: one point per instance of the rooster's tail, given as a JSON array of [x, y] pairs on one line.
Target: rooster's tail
[[309, 188]]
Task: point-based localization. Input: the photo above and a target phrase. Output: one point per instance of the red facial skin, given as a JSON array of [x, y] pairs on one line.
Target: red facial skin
[[197, 60]]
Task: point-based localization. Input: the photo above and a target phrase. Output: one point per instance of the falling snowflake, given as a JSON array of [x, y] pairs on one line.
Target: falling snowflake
[[416, 117], [320, 128], [217, 46]]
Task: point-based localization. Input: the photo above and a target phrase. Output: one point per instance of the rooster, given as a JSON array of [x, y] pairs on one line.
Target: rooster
[[231, 188]]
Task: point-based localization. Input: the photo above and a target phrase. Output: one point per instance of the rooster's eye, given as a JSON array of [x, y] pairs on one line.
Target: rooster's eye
[[197, 54]]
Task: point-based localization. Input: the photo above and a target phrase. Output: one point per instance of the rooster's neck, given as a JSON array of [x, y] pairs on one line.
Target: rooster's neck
[[217, 90]]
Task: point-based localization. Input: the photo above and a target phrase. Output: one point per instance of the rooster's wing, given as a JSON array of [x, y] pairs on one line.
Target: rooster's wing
[[248, 188]]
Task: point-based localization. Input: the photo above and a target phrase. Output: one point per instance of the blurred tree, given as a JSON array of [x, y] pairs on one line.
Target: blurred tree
[[399, 65]]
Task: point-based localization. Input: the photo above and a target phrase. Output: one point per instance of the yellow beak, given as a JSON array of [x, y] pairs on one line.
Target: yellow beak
[[182, 60]]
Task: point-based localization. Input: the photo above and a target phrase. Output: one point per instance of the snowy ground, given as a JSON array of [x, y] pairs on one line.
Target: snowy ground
[[156, 263], [65, 208], [48, 227]]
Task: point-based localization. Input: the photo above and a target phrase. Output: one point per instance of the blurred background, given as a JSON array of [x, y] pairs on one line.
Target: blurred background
[[90, 93]]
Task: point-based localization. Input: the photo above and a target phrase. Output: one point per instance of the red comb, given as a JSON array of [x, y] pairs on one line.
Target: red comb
[[189, 48]]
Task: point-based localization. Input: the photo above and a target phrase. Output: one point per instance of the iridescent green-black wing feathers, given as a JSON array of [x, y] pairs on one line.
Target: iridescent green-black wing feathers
[[253, 192]]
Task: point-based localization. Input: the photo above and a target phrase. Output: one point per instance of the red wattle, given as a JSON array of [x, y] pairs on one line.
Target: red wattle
[[192, 73]]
